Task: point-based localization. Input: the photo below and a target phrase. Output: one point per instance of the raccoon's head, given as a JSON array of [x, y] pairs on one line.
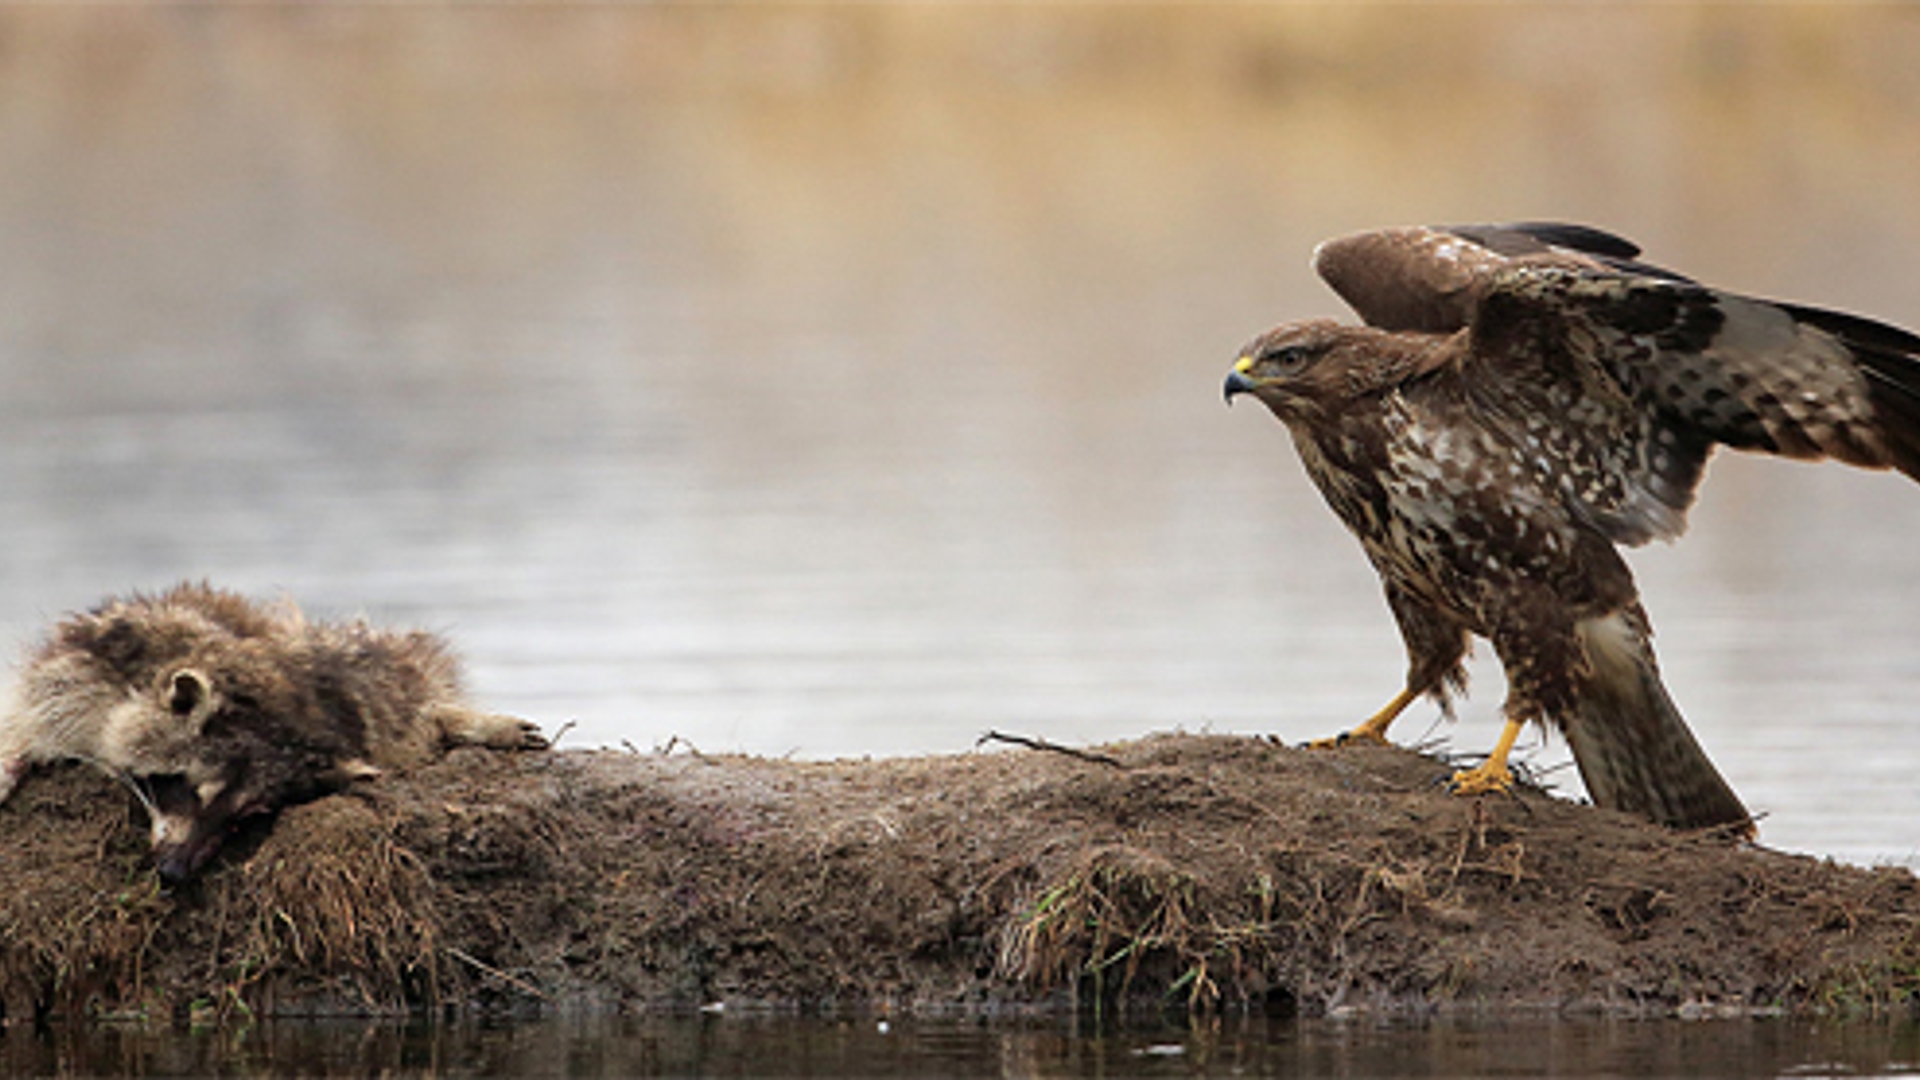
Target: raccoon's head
[[183, 713], [153, 730], [234, 779]]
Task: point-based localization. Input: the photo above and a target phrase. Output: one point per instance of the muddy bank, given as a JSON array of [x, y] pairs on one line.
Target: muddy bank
[[1189, 872]]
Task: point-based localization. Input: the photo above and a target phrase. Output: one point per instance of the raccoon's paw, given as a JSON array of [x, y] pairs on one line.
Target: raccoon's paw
[[500, 731]]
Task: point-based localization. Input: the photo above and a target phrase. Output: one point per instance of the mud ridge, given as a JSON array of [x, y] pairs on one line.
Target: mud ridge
[[1186, 873]]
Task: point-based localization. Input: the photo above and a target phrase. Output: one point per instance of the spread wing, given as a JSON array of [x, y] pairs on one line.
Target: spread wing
[[1620, 378], [1429, 278]]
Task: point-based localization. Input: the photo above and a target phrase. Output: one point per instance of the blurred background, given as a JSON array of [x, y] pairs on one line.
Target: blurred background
[[846, 380]]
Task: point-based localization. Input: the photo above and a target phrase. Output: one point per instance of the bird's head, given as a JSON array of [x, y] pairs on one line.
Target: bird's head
[[1286, 367]]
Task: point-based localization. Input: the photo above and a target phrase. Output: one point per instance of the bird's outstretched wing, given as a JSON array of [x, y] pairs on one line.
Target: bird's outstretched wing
[[1620, 378], [1423, 278]]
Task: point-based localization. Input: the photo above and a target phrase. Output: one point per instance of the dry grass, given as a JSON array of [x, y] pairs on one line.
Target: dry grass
[[1114, 910], [334, 900]]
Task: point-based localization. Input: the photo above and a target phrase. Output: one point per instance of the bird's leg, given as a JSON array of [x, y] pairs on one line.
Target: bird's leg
[[1491, 774], [1374, 728]]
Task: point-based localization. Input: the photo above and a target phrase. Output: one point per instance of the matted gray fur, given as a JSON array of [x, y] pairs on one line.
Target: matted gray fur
[[217, 709]]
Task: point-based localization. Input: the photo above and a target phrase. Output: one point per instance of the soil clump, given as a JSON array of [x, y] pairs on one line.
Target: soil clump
[[1180, 872]]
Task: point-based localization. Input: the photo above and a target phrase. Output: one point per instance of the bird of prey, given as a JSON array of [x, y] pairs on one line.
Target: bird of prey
[[1522, 399]]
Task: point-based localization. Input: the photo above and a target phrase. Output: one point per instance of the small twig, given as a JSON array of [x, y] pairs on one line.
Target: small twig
[[1042, 744], [666, 749], [554, 739], [487, 969]]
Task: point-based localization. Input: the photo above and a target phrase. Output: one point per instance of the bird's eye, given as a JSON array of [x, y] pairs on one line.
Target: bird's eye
[[1287, 357]]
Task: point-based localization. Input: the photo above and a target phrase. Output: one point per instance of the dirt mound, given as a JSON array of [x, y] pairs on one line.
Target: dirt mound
[[1187, 872]]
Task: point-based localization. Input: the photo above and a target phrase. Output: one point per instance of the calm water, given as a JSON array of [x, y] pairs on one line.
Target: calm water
[[846, 381], [734, 1047]]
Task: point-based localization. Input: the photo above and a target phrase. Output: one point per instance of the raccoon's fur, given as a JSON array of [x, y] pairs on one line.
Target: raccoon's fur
[[217, 709]]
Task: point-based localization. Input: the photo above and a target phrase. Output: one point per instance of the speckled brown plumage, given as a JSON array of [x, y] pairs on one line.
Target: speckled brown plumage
[[1522, 399]]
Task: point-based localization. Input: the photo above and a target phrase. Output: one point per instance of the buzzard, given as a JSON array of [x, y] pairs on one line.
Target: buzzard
[[1522, 399]]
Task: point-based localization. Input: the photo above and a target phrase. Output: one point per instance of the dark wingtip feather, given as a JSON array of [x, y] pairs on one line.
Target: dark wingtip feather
[[1857, 331], [1893, 383], [1577, 237], [1521, 238], [1889, 357], [1535, 237]]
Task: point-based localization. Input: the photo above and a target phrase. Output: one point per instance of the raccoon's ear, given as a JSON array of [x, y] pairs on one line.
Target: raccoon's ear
[[187, 690]]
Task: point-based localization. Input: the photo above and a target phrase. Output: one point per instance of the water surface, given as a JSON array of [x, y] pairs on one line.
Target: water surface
[[733, 1046]]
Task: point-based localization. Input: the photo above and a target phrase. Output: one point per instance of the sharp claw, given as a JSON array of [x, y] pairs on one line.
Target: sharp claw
[[1480, 781], [1357, 737]]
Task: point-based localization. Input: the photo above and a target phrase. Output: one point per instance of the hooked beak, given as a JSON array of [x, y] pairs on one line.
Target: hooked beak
[[1237, 381]]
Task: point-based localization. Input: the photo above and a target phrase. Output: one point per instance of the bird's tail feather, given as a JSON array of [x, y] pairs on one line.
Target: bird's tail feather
[[1634, 751]]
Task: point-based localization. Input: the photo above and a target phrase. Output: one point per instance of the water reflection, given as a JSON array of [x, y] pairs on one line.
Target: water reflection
[[845, 381], [794, 1047]]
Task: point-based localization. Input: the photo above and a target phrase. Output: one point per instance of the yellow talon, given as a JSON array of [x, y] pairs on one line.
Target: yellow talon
[[1491, 774], [1374, 728]]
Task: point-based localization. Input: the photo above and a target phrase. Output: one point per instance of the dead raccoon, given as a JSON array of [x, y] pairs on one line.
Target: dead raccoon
[[217, 709]]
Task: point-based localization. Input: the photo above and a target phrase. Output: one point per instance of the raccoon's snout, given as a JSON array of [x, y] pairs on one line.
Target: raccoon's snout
[[185, 834], [181, 846], [177, 864], [180, 849], [191, 823]]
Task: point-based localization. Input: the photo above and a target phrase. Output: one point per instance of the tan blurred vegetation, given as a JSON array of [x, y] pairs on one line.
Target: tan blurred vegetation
[[493, 140]]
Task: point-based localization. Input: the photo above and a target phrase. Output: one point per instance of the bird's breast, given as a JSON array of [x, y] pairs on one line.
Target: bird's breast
[[1441, 505]]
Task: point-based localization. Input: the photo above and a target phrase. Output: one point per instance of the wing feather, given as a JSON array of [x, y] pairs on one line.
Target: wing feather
[[1646, 375], [1621, 377], [1430, 278]]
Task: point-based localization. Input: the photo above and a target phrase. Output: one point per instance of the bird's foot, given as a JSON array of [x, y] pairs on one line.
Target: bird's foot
[[1488, 776], [1371, 730], [1358, 736], [1491, 774]]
